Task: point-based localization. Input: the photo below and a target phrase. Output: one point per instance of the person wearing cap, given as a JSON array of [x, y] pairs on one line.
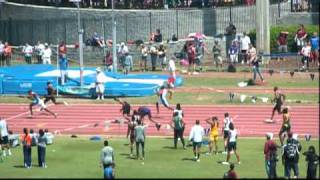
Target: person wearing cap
[[46, 55], [100, 80], [270, 147], [123, 49], [39, 51]]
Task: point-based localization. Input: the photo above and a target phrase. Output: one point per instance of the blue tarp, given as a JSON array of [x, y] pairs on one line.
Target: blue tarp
[[19, 79]]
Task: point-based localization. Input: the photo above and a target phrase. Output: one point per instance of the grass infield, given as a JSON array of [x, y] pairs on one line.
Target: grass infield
[[79, 158]]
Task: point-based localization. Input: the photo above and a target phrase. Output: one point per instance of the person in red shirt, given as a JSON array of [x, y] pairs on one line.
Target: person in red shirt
[[268, 148], [191, 51], [283, 42], [7, 53], [300, 37], [26, 142], [231, 174]]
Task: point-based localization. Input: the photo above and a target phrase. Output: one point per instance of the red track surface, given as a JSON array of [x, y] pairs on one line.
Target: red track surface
[[80, 119]]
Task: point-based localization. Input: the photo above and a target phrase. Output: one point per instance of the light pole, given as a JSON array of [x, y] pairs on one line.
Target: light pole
[[114, 40], [80, 34]]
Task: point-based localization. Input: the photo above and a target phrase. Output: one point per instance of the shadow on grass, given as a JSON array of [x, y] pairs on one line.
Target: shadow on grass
[[18, 166], [168, 147], [187, 159]]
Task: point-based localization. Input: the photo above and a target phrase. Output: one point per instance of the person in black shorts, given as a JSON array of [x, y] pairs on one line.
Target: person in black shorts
[[145, 111], [51, 95], [125, 109], [286, 125], [278, 100], [130, 133]]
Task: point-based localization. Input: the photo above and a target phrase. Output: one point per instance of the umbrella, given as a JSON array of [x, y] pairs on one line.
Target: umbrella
[[197, 35]]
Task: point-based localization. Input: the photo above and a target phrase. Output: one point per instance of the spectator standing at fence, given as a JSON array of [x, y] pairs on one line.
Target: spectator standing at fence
[[127, 64], [7, 53], [217, 59], [27, 51], [282, 42], [144, 57], [230, 33], [162, 57], [233, 52], [108, 61], [313, 162], [158, 36], [314, 41], [245, 41], [26, 145], [42, 144], [62, 49], [123, 49], [191, 53], [46, 56], [39, 52], [296, 5], [300, 37], [306, 55], [2, 63], [154, 57], [255, 62], [63, 66]]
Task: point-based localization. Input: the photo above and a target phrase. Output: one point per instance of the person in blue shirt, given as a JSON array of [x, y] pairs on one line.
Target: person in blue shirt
[[233, 52], [63, 65], [314, 41], [36, 101], [145, 111]]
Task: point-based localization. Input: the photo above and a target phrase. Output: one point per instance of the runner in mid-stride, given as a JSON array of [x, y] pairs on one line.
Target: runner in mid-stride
[[36, 101], [162, 93], [51, 95], [278, 101], [145, 111]]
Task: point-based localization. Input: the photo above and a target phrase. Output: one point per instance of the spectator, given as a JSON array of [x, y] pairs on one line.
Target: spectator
[[154, 57], [162, 57], [245, 41], [174, 38], [2, 63], [62, 50], [49, 136], [140, 134], [232, 144], [127, 64], [191, 53], [313, 161], [255, 62], [34, 138], [100, 80], [216, 50], [233, 52], [283, 42], [290, 156], [97, 40], [314, 41], [144, 56], [196, 136], [200, 48], [123, 49], [106, 156], [108, 61], [14, 139], [63, 65], [4, 137], [296, 5], [26, 142], [42, 142], [7, 53], [172, 67], [39, 51], [231, 174], [230, 33], [306, 53], [46, 55], [27, 51], [270, 147], [300, 37], [158, 36], [178, 124]]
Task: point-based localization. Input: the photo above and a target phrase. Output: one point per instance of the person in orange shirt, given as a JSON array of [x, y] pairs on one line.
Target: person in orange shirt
[[7, 53], [26, 145]]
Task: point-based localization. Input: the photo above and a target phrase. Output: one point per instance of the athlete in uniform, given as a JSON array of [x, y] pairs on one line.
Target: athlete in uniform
[[145, 111], [286, 125], [162, 93], [130, 133], [227, 120], [125, 109], [278, 99], [50, 95], [213, 136], [36, 101]]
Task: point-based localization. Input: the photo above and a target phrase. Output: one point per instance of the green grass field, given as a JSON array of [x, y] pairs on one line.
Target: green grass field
[[79, 158]]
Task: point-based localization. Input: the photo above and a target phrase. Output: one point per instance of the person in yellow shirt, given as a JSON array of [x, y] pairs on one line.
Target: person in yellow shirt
[[286, 125], [214, 133]]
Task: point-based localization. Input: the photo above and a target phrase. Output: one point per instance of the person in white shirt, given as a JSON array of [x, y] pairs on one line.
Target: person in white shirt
[[49, 136], [1, 54], [46, 56], [196, 136], [27, 51], [106, 155], [232, 144], [39, 49], [306, 53], [144, 56], [245, 41], [4, 137], [227, 120], [172, 67], [122, 51], [100, 80]]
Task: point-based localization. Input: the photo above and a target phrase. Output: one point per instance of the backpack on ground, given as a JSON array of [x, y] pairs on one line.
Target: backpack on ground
[[291, 151]]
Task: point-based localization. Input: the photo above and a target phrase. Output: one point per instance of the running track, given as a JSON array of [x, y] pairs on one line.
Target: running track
[[81, 119]]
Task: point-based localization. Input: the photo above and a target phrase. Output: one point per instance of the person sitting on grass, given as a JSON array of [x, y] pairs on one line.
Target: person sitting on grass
[[213, 136], [232, 144]]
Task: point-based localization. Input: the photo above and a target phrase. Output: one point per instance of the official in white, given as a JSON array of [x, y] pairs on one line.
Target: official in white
[[172, 67], [100, 80], [46, 56], [196, 136], [4, 137]]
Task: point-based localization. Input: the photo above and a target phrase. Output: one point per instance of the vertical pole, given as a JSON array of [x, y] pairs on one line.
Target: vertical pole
[[114, 40], [279, 9], [80, 32], [177, 23], [126, 21], [150, 24], [57, 90], [230, 13]]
